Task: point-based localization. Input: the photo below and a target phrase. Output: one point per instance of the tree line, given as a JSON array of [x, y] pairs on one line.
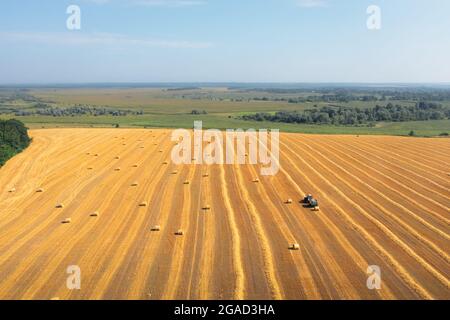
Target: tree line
[[45, 110], [197, 112], [338, 115], [13, 139], [346, 95]]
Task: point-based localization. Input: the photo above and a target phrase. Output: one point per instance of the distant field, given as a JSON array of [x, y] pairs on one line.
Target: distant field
[[221, 121], [157, 101], [383, 201], [171, 109]]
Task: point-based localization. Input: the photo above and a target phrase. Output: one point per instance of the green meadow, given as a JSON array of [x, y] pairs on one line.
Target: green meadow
[[172, 109]]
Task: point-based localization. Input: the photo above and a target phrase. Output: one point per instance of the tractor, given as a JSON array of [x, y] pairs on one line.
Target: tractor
[[311, 202]]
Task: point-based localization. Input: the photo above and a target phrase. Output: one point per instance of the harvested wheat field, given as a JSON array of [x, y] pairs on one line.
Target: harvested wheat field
[[384, 201]]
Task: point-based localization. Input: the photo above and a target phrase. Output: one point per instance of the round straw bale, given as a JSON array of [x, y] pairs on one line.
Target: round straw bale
[[156, 228]]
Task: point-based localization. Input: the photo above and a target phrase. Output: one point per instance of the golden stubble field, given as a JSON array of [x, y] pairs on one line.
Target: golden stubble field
[[383, 201]]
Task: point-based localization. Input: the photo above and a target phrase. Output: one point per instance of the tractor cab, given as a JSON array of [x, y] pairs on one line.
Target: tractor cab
[[310, 201]]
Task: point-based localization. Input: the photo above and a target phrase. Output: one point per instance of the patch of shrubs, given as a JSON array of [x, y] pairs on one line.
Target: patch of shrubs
[[197, 112], [45, 110], [13, 139]]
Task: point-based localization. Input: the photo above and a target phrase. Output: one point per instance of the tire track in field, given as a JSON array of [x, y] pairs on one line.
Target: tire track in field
[[338, 235], [282, 222], [209, 232], [423, 156], [223, 270], [64, 252], [180, 246], [75, 254], [27, 233], [55, 179], [35, 226], [22, 159], [280, 227], [53, 175], [402, 185], [147, 217], [22, 162], [82, 233], [443, 155], [403, 168], [158, 276], [269, 268], [136, 258], [239, 291], [396, 172], [411, 230], [252, 255], [111, 247], [399, 158], [120, 232], [409, 146], [46, 248], [402, 194], [197, 235], [366, 235], [432, 146], [181, 291], [276, 224]]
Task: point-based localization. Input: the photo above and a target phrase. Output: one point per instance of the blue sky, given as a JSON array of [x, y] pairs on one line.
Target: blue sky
[[224, 41]]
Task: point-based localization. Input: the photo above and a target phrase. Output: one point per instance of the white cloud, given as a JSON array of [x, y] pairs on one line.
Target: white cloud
[[104, 39], [311, 3]]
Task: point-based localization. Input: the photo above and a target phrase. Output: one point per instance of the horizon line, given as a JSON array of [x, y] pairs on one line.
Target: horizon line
[[116, 83]]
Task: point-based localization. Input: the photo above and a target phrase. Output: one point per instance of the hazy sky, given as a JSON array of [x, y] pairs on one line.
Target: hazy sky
[[224, 40]]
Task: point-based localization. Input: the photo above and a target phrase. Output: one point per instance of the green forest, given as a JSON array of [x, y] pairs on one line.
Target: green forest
[[338, 115], [13, 139]]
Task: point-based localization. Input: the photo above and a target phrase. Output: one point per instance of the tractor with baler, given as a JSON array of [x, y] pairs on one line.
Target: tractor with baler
[[311, 202]]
